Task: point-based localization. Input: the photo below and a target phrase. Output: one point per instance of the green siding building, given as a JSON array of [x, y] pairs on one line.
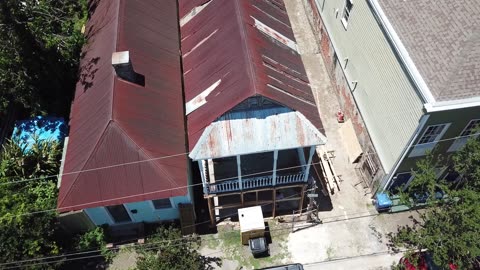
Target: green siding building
[[407, 74]]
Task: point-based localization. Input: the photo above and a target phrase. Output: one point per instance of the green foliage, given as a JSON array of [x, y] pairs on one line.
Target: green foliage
[[92, 239], [449, 228], [467, 163], [174, 253], [95, 240], [28, 236], [425, 181], [39, 53]]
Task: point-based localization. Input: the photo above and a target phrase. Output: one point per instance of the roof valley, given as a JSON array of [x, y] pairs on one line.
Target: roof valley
[[245, 45]]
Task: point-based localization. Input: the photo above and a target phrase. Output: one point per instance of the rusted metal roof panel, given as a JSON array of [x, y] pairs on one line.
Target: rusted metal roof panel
[[243, 48], [186, 6], [236, 133], [116, 122]]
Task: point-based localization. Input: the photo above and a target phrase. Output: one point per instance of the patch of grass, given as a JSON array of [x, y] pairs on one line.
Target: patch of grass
[[229, 241], [370, 205], [211, 241], [330, 253]]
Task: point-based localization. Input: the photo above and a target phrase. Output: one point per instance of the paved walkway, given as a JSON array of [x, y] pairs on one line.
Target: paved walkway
[[352, 198], [352, 227], [376, 261]]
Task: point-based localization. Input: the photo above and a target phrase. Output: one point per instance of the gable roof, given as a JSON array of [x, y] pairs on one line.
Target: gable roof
[[236, 133], [116, 122], [236, 49], [442, 38]]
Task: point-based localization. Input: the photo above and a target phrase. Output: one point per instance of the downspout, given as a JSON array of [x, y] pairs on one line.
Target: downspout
[[388, 178]]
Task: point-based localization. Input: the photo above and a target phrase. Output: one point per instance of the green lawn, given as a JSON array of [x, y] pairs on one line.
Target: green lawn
[[228, 240]]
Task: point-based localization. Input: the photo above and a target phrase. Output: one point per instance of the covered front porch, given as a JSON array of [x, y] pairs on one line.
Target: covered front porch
[[255, 171], [261, 151]]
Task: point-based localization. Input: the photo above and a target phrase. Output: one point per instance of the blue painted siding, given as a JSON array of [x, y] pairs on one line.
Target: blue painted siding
[[99, 216], [145, 212]]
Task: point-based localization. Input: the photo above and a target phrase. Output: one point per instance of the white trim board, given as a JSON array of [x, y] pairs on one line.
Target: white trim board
[[402, 52], [452, 104]]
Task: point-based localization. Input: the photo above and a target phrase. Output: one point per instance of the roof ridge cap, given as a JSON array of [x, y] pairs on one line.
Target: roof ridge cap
[[84, 165], [247, 54], [149, 157]]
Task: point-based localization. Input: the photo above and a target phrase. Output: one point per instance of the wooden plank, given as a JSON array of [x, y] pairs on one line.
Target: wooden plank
[[187, 218], [332, 169], [326, 167], [210, 210], [300, 205], [274, 195], [347, 133]]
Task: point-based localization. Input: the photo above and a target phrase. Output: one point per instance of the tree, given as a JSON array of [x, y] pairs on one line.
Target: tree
[[24, 236], [174, 253], [39, 53], [467, 163], [450, 227]]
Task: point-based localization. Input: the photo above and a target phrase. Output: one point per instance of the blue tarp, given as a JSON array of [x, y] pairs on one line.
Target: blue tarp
[[44, 127]]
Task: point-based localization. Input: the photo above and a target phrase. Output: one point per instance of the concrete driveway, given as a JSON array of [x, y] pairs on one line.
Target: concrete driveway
[[374, 261], [353, 235]]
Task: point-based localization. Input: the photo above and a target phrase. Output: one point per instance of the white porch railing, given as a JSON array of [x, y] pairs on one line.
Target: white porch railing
[[254, 183]]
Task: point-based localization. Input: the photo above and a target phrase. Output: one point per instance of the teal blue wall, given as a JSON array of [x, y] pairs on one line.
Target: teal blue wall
[[145, 212], [99, 216]]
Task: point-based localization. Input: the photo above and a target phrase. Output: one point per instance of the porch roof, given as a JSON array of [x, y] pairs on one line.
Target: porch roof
[[256, 131]]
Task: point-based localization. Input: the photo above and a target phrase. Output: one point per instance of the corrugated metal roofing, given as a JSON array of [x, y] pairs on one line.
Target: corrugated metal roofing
[[243, 45], [114, 121], [235, 133]]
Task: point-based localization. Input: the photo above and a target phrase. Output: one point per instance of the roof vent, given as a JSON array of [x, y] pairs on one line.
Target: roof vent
[[124, 68]]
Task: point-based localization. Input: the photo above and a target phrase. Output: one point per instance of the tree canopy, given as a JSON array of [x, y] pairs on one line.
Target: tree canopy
[[450, 226], [39, 53], [174, 253], [24, 236]]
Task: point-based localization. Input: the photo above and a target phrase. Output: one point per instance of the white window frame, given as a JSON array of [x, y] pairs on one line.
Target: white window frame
[[456, 179], [406, 184], [160, 209], [346, 13], [463, 138], [320, 6], [420, 149]]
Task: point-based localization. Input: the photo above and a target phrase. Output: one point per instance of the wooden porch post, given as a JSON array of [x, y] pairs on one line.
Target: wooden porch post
[[210, 211], [202, 173], [307, 168], [274, 176], [274, 194], [301, 157], [300, 207], [239, 172]]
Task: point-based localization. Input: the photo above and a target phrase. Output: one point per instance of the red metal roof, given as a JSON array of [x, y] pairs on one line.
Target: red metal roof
[[114, 121], [224, 42]]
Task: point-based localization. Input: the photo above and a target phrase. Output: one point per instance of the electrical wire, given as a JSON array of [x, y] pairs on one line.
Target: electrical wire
[[89, 170], [181, 187], [154, 192], [176, 155], [158, 242], [163, 157], [302, 226]]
